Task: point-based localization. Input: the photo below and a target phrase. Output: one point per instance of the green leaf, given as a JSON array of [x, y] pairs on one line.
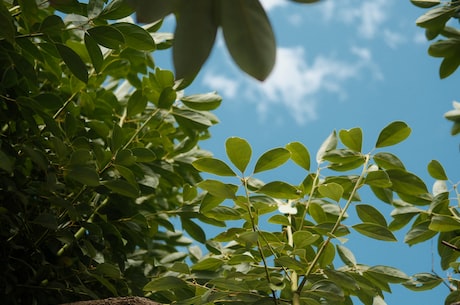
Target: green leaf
[[7, 28], [121, 187], [143, 155], [279, 219], [116, 9], [127, 174], [213, 166], [305, 1], [444, 223], [280, 189], [406, 183], [73, 62], [342, 279], [206, 101], [219, 189], [152, 10], [135, 37], [388, 161], [165, 283], [109, 270], [117, 138], [329, 144], [425, 3], [136, 103], [352, 138], [328, 290], [327, 257], [378, 179], [209, 202], [223, 213], [194, 36], [194, 230], [388, 274], [369, 214], [239, 152], [6, 163], [208, 264], [375, 231], [107, 36], [249, 36], [423, 281], [448, 66], [272, 159], [444, 48], [299, 154], [331, 190], [291, 263], [346, 256], [419, 233], [84, 175], [392, 134], [436, 170], [302, 239], [436, 18]]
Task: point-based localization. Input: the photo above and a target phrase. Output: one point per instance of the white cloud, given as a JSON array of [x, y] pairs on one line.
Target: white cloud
[[271, 4], [295, 84], [393, 39]]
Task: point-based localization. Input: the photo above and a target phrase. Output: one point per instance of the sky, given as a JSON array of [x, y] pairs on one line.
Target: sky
[[344, 64]]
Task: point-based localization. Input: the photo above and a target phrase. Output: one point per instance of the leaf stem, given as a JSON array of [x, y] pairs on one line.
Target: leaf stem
[[334, 229]]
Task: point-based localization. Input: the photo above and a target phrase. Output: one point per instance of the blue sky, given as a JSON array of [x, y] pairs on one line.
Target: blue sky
[[344, 64]]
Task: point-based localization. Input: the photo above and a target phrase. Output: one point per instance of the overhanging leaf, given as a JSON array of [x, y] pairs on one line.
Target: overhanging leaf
[[329, 144], [206, 101], [249, 36], [392, 134]]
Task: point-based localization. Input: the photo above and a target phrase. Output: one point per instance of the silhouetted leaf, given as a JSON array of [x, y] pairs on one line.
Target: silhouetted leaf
[[73, 62]]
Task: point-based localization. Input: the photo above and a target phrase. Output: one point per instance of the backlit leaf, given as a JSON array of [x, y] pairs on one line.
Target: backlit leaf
[[425, 3], [116, 9], [272, 159], [423, 281], [249, 36], [436, 170], [352, 138], [95, 53], [444, 223], [213, 166], [299, 154], [392, 134], [239, 152], [387, 273], [419, 233], [280, 189], [388, 161], [346, 255], [218, 189], [375, 231], [331, 190]]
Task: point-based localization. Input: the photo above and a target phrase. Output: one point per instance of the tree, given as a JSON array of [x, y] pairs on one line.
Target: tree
[[100, 167]]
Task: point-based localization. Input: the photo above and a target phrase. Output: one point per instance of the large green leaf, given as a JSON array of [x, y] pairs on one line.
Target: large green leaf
[[375, 231], [107, 36], [73, 62], [152, 10], [331, 190], [239, 152], [193, 229], [378, 179], [444, 223], [436, 18], [116, 9], [388, 274], [165, 283], [94, 52], [369, 214], [392, 134], [352, 138], [213, 166], [135, 37], [136, 103], [194, 36], [280, 189], [419, 233], [272, 159], [208, 264], [249, 36], [448, 66], [302, 239], [388, 161], [436, 170], [299, 154], [121, 187]]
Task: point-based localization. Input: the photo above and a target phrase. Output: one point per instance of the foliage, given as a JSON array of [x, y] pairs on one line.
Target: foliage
[[247, 32], [95, 151], [296, 264]]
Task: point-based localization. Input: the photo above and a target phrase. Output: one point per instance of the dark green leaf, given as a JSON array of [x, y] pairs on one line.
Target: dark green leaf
[[94, 8], [213, 166], [375, 231], [378, 179], [116, 9], [46, 220], [7, 28], [135, 37], [208, 264], [388, 274], [436, 170], [194, 230], [248, 36], [299, 154], [352, 138], [342, 279], [209, 202], [436, 18], [73, 62], [280, 189], [109, 270], [280, 220], [448, 66], [423, 281], [84, 175], [392, 134], [272, 159], [194, 36], [165, 283], [239, 152], [406, 183], [219, 189], [144, 155], [419, 233], [369, 214], [122, 187], [107, 36], [152, 10], [136, 103], [206, 101], [6, 163], [425, 3]]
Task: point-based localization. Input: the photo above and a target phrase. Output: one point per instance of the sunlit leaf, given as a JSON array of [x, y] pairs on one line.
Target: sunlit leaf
[[375, 231], [303, 239], [331, 190], [444, 223], [327, 257], [436, 18], [389, 274], [448, 66], [249, 36], [213, 166], [329, 144], [368, 213], [406, 183], [194, 230], [272, 159], [419, 233], [208, 264], [116, 9], [346, 255], [280, 189], [291, 263], [352, 138], [239, 152], [388, 161], [299, 154], [392, 134], [378, 179], [436, 170], [218, 189]]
